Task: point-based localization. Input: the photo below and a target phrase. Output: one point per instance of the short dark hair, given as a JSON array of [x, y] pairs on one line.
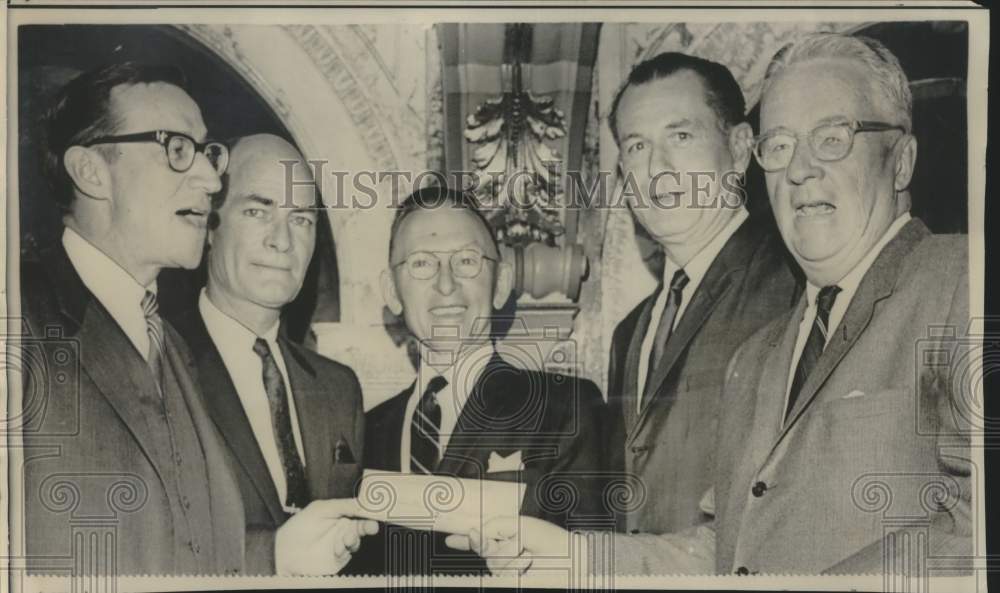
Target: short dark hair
[[723, 93], [432, 197], [81, 111]]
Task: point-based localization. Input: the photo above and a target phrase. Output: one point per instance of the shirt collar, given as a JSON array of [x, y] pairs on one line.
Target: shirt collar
[[228, 332], [850, 282], [699, 264]]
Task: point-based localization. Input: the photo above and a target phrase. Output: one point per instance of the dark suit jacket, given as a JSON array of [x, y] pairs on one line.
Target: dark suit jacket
[[89, 465], [667, 451], [554, 420], [331, 420]]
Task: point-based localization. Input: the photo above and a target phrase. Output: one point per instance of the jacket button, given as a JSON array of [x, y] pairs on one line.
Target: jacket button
[[743, 571], [758, 489]]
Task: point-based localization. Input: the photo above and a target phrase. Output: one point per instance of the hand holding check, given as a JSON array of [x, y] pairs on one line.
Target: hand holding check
[[319, 539], [517, 544]]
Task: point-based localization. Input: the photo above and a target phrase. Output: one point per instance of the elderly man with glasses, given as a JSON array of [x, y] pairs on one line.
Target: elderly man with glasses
[[471, 413], [844, 444]]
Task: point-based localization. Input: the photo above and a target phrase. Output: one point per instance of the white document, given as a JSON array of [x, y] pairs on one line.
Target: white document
[[441, 503]]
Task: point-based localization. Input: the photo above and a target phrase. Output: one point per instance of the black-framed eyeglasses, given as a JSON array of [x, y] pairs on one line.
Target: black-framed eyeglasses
[[424, 265], [829, 142], [180, 148]]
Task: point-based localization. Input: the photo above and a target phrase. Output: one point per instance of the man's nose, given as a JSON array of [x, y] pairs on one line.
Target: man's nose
[[803, 165], [279, 237], [203, 175], [445, 281]]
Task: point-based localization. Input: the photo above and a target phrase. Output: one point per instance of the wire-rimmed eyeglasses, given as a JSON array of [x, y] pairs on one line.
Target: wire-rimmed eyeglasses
[[424, 265]]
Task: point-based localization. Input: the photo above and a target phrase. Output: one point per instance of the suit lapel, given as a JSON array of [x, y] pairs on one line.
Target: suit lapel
[[109, 358], [630, 376], [473, 438], [315, 419], [227, 412], [734, 256], [877, 284], [384, 432]]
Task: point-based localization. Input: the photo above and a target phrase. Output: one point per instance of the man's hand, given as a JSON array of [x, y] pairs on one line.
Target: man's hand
[[319, 539], [515, 543]]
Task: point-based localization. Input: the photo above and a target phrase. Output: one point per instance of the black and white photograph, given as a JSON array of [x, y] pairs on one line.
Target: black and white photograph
[[433, 295]]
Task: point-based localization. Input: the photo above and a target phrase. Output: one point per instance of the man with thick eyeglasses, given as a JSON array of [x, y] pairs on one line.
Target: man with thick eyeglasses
[[471, 413], [844, 443], [128, 432]]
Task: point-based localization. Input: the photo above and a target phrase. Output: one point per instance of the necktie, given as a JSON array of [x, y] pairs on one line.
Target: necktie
[[814, 343], [154, 329], [425, 443], [281, 422], [665, 327]]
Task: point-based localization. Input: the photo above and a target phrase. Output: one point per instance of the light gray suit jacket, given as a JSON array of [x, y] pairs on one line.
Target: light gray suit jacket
[[874, 455]]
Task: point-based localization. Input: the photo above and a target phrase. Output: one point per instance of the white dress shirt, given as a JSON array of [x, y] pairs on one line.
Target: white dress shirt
[[113, 287], [695, 270], [246, 369], [451, 399], [848, 286]]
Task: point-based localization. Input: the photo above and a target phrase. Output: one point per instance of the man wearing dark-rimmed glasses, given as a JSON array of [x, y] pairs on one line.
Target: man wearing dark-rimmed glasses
[[132, 170], [470, 412]]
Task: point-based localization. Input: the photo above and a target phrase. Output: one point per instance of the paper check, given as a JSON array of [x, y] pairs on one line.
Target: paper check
[[440, 503]]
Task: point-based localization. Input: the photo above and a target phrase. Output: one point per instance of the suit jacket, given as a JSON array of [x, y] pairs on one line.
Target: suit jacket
[[667, 452], [96, 487], [556, 427], [330, 415], [876, 449]]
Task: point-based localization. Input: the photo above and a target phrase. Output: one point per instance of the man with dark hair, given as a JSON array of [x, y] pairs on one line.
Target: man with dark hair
[[115, 416], [684, 143], [470, 413], [127, 150], [292, 419]]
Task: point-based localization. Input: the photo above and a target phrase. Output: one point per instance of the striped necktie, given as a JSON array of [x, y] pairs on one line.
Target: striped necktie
[[815, 343], [154, 329], [425, 438]]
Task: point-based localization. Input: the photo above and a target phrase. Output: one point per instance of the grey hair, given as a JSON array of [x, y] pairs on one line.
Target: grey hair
[[886, 73]]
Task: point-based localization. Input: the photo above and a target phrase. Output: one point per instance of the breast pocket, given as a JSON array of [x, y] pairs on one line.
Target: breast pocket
[[344, 480], [899, 402]]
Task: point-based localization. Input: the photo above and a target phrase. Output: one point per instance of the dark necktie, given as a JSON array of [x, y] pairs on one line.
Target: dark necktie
[[154, 329], [425, 438], [281, 422], [664, 329], [814, 343]]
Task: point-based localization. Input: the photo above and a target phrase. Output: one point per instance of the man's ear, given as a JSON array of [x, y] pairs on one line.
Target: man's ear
[[741, 146], [89, 171], [906, 159], [504, 284], [390, 294]]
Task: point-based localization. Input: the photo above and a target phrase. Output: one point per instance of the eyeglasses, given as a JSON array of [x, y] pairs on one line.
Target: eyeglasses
[[180, 148], [829, 142], [424, 265]]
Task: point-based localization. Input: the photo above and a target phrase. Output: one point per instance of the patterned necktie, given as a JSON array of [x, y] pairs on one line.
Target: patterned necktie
[[814, 343], [425, 438], [664, 329], [281, 422], [154, 329]]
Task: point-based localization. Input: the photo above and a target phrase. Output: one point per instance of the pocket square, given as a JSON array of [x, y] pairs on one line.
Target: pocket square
[[342, 452], [509, 463], [854, 394]]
